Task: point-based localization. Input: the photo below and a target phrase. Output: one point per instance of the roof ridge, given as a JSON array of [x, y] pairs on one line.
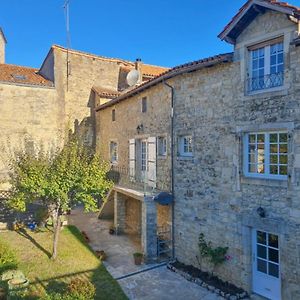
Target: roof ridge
[[13, 65]]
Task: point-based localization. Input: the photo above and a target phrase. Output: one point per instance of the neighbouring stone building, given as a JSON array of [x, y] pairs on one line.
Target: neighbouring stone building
[[234, 126], [39, 106]]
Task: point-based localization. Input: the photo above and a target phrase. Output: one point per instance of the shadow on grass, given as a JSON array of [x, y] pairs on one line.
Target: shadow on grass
[[22, 232]]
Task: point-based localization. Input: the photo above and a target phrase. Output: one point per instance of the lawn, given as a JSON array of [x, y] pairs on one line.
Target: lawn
[[75, 260]]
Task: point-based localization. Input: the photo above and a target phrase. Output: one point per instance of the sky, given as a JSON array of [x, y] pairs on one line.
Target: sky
[[160, 32]]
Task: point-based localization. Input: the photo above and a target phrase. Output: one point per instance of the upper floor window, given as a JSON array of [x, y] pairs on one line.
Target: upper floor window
[[266, 66], [144, 104], [113, 115], [186, 146], [162, 146], [113, 152], [266, 155]]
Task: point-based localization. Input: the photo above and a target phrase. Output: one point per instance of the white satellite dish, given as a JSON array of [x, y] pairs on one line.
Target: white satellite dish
[[132, 77]]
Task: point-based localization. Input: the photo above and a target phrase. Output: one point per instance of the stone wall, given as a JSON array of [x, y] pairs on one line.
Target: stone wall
[[156, 122], [212, 195], [29, 118], [133, 209]]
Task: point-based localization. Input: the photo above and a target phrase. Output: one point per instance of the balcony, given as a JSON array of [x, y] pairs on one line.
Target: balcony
[[265, 82], [130, 179]]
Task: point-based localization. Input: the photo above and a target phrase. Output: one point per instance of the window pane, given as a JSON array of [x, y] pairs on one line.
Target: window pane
[[261, 52], [283, 170], [261, 251], [252, 168], [273, 59], [280, 58], [283, 137], [273, 255], [255, 64], [273, 71], [280, 70], [273, 159], [261, 237], [251, 158], [283, 159], [273, 169], [260, 138], [252, 138], [273, 240], [273, 49], [273, 138], [283, 148], [273, 270], [261, 62], [260, 168], [261, 266], [274, 148]]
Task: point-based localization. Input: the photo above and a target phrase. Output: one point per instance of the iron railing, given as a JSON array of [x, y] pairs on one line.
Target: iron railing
[[265, 82], [133, 179]]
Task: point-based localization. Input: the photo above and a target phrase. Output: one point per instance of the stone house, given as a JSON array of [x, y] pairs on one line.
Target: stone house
[[233, 124], [39, 106]]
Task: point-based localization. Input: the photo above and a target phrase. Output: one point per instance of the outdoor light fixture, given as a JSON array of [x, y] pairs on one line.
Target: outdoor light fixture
[[140, 128], [261, 212]]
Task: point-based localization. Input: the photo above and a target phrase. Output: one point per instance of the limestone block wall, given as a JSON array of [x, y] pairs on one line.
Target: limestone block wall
[[29, 117], [156, 122], [211, 193]]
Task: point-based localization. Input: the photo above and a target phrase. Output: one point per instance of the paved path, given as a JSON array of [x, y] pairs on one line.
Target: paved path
[[158, 284]]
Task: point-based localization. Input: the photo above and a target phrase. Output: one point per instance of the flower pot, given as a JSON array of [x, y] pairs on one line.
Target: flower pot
[[138, 258]]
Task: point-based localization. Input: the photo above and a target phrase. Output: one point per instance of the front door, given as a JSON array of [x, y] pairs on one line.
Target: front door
[[266, 265]]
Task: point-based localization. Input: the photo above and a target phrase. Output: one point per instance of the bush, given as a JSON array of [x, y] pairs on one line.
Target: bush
[[8, 260], [81, 289]]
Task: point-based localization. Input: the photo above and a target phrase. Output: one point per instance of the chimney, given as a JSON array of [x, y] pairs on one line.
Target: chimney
[[138, 63], [2, 46]]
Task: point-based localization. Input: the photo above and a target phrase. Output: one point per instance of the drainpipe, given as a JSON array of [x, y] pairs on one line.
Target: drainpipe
[[172, 165]]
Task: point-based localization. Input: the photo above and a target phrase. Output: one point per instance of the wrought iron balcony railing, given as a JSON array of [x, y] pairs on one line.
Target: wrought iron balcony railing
[[132, 179], [265, 82]]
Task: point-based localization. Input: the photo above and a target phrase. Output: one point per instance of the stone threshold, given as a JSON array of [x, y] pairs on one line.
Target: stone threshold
[[198, 281]]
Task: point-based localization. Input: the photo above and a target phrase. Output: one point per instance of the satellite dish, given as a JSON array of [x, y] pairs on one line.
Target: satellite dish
[[132, 77]]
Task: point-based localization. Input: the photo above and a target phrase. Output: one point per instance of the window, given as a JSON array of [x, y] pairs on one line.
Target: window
[[186, 146], [113, 152], [266, 155], [113, 115], [162, 146], [144, 155], [144, 104], [266, 66]]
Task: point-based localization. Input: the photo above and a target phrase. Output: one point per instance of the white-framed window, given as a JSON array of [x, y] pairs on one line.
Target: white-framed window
[[266, 66], [113, 152], [266, 154], [185, 145], [144, 155], [162, 146]]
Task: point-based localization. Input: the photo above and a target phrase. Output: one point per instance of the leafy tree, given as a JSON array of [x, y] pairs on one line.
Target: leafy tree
[[60, 180]]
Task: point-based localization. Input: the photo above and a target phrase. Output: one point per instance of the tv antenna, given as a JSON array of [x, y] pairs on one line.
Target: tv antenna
[[67, 20]]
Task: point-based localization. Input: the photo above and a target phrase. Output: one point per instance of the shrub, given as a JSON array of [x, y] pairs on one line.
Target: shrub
[[81, 289], [8, 260]]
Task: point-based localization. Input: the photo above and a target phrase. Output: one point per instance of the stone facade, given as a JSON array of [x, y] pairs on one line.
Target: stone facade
[[213, 196]]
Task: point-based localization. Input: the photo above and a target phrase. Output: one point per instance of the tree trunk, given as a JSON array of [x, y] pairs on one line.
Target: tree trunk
[[56, 227]]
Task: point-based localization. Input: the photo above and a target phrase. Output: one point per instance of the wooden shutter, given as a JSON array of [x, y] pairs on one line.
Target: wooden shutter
[[132, 159], [152, 161]]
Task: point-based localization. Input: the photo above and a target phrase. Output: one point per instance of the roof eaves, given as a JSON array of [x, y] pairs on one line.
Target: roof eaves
[[178, 70]]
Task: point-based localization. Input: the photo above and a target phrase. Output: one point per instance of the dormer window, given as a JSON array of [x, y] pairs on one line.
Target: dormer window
[[266, 69]]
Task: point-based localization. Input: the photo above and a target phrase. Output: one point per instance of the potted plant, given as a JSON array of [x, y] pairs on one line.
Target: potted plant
[[138, 258]]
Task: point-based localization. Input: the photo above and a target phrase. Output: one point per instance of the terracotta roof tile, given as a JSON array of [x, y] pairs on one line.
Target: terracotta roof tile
[[105, 93], [152, 70], [22, 75]]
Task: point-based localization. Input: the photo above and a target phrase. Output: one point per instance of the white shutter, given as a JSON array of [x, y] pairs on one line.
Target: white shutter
[[132, 159], [152, 161]]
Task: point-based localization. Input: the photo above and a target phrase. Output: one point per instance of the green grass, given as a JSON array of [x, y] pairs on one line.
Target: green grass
[[75, 260]]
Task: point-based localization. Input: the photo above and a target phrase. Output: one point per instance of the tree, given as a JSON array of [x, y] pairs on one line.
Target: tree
[[59, 180]]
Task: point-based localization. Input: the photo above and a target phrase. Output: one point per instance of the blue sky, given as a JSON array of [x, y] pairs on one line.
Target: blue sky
[[162, 32]]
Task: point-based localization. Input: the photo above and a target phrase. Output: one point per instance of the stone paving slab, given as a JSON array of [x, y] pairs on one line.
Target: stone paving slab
[[163, 284]]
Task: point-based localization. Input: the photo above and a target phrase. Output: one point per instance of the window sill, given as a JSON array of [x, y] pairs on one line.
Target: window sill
[[279, 91], [281, 183], [181, 157]]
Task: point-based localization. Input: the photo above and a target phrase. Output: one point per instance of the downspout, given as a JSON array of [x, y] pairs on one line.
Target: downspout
[[172, 165]]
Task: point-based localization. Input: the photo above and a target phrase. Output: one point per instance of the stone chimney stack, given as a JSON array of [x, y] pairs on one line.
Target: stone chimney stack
[[2, 46]]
